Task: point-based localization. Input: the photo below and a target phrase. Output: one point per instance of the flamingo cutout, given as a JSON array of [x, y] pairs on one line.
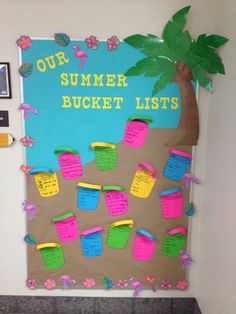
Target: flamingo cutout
[[30, 208], [25, 107], [80, 54], [136, 285]]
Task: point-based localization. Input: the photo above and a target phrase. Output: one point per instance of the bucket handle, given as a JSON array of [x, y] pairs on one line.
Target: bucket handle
[[181, 229], [123, 222], [148, 167]]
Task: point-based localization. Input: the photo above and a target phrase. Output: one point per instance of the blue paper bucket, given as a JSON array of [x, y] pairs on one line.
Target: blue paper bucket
[[91, 242], [88, 196], [177, 164]]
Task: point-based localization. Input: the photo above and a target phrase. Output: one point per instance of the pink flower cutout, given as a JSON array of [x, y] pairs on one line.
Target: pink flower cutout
[[165, 284], [122, 283], [182, 284], [89, 283], [92, 42], [24, 42], [49, 284], [112, 43], [31, 283], [27, 141]]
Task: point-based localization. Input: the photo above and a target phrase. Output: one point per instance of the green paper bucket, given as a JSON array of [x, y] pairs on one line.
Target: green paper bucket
[[174, 241], [105, 155], [118, 234], [52, 255]]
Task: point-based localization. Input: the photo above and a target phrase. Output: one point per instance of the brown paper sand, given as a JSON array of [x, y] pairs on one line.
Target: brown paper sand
[[114, 263]]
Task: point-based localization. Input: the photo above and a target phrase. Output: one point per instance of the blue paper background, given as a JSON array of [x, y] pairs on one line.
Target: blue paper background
[[55, 126]]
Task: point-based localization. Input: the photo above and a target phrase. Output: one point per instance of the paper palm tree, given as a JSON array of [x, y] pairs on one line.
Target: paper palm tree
[[177, 58]]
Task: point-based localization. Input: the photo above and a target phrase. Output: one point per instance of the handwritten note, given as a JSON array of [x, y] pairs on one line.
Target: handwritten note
[[70, 165], [106, 158], [135, 133], [118, 234], [117, 202], [67, 229], [53, 257], [144, 247], [87, 198], [173, 244], [172, 203], [177, 164], [47, 183], [142, 184], [92, 244]]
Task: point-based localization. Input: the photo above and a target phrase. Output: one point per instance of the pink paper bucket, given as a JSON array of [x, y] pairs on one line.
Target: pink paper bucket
[[70, 162], [116, 200], [66, 226], [172, 203], [136, 130], [144, 245]]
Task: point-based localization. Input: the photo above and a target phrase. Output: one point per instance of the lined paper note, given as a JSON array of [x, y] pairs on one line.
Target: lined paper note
[[135, 133], [53, 257], [106, 158], [70, 165], [173, 244], [47, 183], [117, 202], [143, 247], [142, 184], [88, 198], [67, 229]]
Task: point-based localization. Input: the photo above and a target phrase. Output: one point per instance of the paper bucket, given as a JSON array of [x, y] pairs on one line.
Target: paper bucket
[[177, 164], [105, 155], [174, 241], [46, 181], [144, 245], [52, 255], [69, 161], [88, 195], [116, 199], [144, 180], [136, 130], [118, 234], [91, 242], [66, 226], [172, 203]]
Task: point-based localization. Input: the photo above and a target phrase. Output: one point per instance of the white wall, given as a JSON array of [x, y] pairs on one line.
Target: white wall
[[217, 275], [80, 19]]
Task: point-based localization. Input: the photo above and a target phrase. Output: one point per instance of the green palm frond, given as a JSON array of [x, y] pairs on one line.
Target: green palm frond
[[175, 37], [213, 64], [166, 75], [151, 45], [165, 78], [176, 26], [146, 66], [216, 41], [160, 50], [140, 41], [200, 75], [191, 58], [205, 48], [176, 44]]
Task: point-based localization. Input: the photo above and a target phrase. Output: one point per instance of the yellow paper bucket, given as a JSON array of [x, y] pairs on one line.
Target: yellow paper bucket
[[46, 181], [144, 180]]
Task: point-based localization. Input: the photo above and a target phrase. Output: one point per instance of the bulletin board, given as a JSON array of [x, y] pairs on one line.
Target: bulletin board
[[78, 96]]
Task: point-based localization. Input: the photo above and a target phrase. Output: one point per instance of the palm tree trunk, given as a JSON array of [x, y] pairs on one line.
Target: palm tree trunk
[[187, 132]]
